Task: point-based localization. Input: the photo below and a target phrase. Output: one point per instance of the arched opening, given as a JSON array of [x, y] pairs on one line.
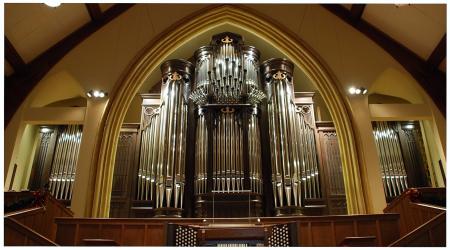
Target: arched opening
[[183, 33]]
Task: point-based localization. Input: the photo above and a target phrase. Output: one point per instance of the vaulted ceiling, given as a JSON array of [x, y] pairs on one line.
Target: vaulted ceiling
[[38, 36]]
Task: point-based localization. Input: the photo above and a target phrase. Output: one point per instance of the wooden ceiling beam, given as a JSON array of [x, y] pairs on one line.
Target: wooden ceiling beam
[[439, 53], [20, 84], [13, 57], [94, 11], [432, 80], [357, 11]]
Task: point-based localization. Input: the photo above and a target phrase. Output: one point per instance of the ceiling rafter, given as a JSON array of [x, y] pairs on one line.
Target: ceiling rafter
[[13, 57], [439, 53], [20, 84], [432, 80], [357, 11], [94, 11]]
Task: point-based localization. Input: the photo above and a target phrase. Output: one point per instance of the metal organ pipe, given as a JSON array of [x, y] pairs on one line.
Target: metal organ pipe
[[295, 174], [227, 74], [391, 159], [172, 137], [62, 175]]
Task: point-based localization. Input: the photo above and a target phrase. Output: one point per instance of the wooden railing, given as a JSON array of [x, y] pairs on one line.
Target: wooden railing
[[430, 234], [414, 214], [16, 234], [311, 230], [41, 219]]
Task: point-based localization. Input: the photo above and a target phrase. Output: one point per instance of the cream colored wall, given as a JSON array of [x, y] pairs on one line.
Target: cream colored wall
[[433, 155], [86, 165], [23, 159], [134, 112], [102, 60]]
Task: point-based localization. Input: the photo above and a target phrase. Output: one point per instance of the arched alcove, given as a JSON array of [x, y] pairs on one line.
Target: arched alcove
[[167, 45]]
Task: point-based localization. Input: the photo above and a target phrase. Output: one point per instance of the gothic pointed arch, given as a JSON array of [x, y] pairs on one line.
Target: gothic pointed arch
[[160, 48]]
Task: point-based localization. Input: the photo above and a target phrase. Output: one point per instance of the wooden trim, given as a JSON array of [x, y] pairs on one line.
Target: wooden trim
[[431, 79], [309, 229], [439, 53], [357, 11], [27, 232], [13, 57], [94, 11], [156, 221], [20, 84], [28, 211], [424, 229]]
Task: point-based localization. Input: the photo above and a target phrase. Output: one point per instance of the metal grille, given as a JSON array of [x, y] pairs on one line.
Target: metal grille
[[185, 237], [279, 236]]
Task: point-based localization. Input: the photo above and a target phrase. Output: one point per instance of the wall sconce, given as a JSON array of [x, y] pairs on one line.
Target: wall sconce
[[97, 94], [357, 91]]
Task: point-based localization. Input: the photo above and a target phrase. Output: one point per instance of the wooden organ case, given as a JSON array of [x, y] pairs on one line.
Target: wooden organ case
[[229, 137]]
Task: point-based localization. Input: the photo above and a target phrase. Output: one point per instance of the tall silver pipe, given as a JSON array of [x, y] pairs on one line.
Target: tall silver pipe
[[169, 179], [295, 172]]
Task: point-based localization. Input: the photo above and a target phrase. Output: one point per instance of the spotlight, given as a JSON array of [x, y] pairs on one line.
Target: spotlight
[[357, 91], [409, 126], [45, 130], [352, 90], [97, 94]]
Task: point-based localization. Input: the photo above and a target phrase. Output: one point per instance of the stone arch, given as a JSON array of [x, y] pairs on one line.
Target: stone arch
[[199, 23]]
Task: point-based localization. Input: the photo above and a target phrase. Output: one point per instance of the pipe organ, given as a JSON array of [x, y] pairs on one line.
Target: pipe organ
[[251, 146], [56, 159], [401, 155]]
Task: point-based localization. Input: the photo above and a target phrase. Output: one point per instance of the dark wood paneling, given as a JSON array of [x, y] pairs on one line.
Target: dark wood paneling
[[430, 234], [357, 11], [20, 84], [317, 235], [111, 232], [17, 234], [88, 232], [156, 235], [133, 235], [438, 53], [412, 215], [13, 57], [430, 78], [66, 235], [41, 219], [94, 11], [343, 229], [310, 230]]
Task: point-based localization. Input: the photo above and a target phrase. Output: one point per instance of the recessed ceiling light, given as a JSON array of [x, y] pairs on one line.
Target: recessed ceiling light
[[96, 94], [357, 91], [352, 90], [45, 130], [52, 3]]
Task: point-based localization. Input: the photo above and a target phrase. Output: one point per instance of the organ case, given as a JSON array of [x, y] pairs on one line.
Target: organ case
[[252, 147]]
